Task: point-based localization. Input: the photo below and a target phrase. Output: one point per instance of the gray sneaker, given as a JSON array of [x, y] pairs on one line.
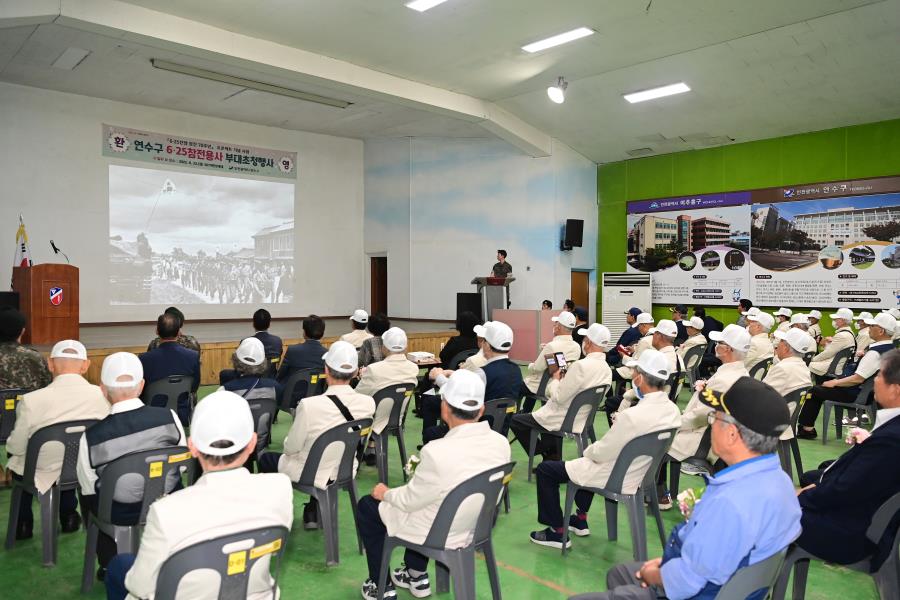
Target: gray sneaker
[[417, 586]]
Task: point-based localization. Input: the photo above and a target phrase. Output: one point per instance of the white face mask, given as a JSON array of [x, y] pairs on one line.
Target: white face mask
[[584, 347], [834, 324]]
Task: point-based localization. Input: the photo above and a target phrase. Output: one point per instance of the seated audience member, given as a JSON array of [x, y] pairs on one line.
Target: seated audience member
[[694, 328], [743, 306], [569, 305], [663, 337], [845, 389], [790, 373], [838, 502], [182, 339], [748, 512], [305, 355], [710, 323], [130, 427], [171, 358], [359, 320], [628, 338], [894, 312], [562, 341], [68, 398], [20, 366], [709, 362], [251, 367], [800, 321], [226, 500], [758, 326], [731, 348], [372, 349], [469, 448], [783, 318], [653, 413], [546, 305], [273, 345], [862, 336], [843, 338], [466, 340], [580, 320], [316, 415], [643, 324], [679, 313], [562, 388], [815, 330]]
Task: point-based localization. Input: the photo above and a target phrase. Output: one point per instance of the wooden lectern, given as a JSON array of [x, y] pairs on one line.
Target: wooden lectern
[[48, 297]]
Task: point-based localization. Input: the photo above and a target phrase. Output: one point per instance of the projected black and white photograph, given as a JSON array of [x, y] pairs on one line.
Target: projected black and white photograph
[[188, 238]]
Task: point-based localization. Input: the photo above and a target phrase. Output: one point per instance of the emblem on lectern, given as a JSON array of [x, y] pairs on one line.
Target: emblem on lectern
[[56, 296]]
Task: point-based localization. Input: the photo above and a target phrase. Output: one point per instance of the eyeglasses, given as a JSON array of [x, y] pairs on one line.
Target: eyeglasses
[[713, 417]]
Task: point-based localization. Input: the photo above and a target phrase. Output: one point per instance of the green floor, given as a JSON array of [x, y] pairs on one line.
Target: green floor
[[526, 571]]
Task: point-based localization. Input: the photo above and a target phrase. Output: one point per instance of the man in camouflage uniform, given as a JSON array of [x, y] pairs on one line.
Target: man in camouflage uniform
[[188, 341]]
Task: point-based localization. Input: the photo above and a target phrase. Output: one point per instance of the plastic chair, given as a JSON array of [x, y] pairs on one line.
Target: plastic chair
[[9, 399], [531, 399], [807, 358], [887, 577], [699, 459], [753, 578], [758, 371], [263, 411], [788, 448], [157, 469], [692, 360], [653, 445], [673, 386], [315, 385], [458, 564], [69, 435], [497, 412], [231, 556], [394, 398], [172, 388], [460, 357], [864, 401], [839, 361], [348, 435], [585, 403]]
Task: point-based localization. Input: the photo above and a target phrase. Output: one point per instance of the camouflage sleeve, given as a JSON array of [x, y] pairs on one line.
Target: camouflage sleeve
[[33, 373]]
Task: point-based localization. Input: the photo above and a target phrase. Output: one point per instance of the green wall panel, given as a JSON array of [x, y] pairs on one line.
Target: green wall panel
[[752, 165], [812, 157], [698, 172], [611, 183], [873, 150], [649, 177]]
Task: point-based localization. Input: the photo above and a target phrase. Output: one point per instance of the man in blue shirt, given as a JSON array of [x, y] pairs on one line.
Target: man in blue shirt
[[748, 512], [307, 355], [629, 336], [171, 358]]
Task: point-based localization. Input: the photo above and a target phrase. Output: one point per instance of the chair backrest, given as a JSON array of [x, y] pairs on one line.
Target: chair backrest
[[460, 357], [489, 486], [171, 388], [231, 556], [798, 397], [295, 390], [653, 445], [807, 358], [750, 579], [263, 411], [882, 518], [692, 360], [542, 386], [349, 435], [394, 398], [673, 385], [497, 410], [8, 400], [758, 371], [585, 403], [866, 394], [68, 433], [705, 444], [153, 467], [839, 361]]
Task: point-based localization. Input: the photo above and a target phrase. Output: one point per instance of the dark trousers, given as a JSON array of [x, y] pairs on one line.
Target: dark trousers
[[122, 513], [373, 533], [434, 433], [268, 462], [550, 475], [623, 585], [115, 576], [430, 411], [810, 411], [68, 504], [707, 365], [548, 446]]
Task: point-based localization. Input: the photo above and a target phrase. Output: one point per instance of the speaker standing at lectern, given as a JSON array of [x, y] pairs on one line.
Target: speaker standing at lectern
[[502, 268]]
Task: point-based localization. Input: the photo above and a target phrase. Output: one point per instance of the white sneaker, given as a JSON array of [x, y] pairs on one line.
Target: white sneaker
[[369, 591], [690, 469], [417, 586]]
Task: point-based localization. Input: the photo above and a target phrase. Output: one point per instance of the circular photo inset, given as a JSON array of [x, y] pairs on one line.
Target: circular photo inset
[[831, 257], [687, 261], [710, 260], [862, 257], [890, 256], [734, 260]]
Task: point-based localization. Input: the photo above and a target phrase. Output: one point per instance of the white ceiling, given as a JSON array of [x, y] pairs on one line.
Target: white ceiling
[[758, 69]]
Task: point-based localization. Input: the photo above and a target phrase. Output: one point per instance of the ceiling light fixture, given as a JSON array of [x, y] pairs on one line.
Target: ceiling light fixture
[[248, 83], [660, 92], [423, 5], [557, 40], [557, 92]]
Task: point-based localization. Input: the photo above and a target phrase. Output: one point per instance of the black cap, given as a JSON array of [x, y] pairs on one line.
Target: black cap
[[12, 322], [634, 311], [580, 313], [681, 308], [753, 404]]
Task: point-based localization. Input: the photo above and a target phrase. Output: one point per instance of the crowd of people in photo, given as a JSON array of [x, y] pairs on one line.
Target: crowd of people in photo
[[753, 385], [223, 279]]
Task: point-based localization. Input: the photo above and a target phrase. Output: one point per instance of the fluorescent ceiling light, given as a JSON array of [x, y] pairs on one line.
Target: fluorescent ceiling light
[[660, 92], [248, 83], [71, 58], [556, 40], [423, 5]]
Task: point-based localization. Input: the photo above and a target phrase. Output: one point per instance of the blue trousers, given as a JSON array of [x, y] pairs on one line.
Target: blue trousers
[[115, 576]]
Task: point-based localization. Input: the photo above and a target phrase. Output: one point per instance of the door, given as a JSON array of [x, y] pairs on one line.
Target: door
[[379, 284], [579, 289]]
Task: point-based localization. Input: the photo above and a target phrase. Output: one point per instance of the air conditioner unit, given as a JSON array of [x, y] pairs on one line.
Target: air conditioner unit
[[621, 291]]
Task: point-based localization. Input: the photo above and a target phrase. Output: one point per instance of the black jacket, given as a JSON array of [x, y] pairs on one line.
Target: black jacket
[[454, 346]]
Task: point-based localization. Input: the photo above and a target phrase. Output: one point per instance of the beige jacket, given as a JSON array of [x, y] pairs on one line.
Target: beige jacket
[[675, 364], [644, 343], [693, 421], [393, 370], [786, 376], [842, 338], [588, 372], [68, 398], [653, 413], [314, 416], [862, 341], [467, 450], [560, 343], [356, 337], [691, 342], [815, 331], [220, 503], [760, 349]]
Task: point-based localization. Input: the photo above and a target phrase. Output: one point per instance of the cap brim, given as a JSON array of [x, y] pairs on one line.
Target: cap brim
[[630, 362], [479, 330], [717, 336], [781, 335]]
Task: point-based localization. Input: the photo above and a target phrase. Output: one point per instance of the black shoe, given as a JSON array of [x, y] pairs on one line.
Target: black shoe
[[70, 523], [807, 434], [24, 531], [548, 537], [311, 515], [369, 459], [101, 574]]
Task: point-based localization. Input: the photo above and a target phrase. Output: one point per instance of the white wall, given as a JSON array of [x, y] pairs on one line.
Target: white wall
[[53, 174]]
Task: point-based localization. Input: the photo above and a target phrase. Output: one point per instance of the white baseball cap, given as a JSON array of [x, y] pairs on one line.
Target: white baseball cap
[[394, 339], [843, 313], [341, 357], [884, 320], [597, 333], [815, 314], [498, 335], [863, 316], [666, 327], [643, 318], [360, 316], [753, 310], [799, 318], [783, 312], [69, 349], [763, 318], [652, 362], [464, 390], [566, 319], [797, 339], [894, 312], [697, 323], [251, 352], [121, 370], [733, 335], [222, 417]]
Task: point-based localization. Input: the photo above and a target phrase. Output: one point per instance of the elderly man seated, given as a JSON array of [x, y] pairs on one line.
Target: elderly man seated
[[790, 373], [843, 338], [562, 341], [654, 412], [758, 326], [694, 328], [663, 340], [748, 512]]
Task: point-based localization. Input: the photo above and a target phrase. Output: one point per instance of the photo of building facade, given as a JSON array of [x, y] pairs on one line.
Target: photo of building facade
[[844, 226], [709, 231]]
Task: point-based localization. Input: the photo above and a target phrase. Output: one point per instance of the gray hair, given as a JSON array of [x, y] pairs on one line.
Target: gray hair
[[738, 355], [794, 352], [246, 370], [755, 442], [122, 393], [653, 381]]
